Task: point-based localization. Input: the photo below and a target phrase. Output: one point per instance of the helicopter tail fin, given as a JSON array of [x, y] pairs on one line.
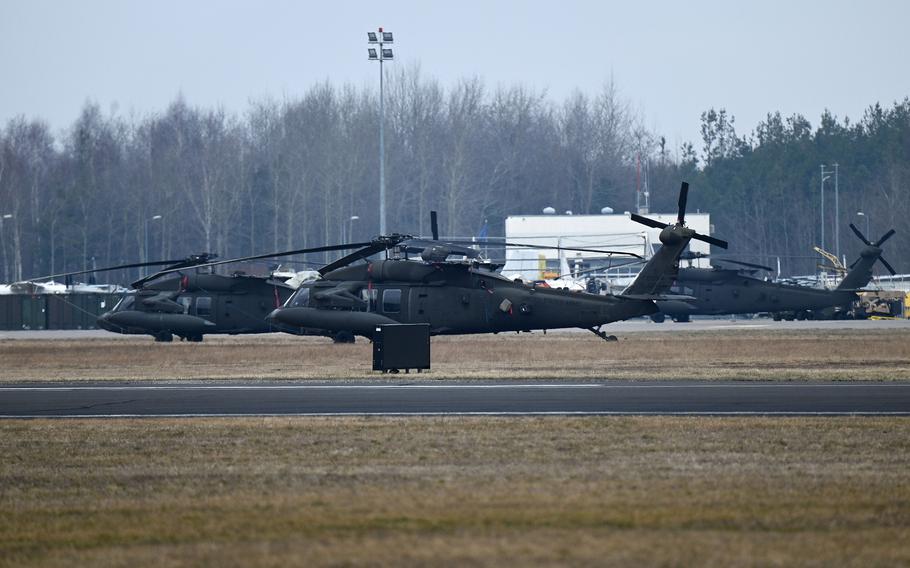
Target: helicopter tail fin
[[657, 276]]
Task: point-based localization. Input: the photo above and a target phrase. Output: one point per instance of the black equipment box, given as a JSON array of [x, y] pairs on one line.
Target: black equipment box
[[401, 346]]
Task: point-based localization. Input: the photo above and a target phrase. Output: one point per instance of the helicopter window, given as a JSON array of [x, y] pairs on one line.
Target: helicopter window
[[369, 297], [185, 301], [391, 301], [125, 303], [203, 306], [301, 298]]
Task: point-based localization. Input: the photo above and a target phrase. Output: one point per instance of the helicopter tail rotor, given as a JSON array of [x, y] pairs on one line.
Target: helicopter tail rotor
[[683, 198], [876, 245]]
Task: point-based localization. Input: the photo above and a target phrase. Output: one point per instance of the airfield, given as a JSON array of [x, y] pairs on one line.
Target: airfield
[[747, 442]]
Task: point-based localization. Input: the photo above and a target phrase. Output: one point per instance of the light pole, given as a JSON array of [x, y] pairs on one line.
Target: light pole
[[825, 175], [866, 217], [145, 248], [383, 54], [836, 215], [351, 226], [3, 245]]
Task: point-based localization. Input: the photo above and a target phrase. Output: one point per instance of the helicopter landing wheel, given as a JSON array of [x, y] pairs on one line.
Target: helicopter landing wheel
[[659, 317], [194, 338], [603, 335], [343, 337], [164, 337]]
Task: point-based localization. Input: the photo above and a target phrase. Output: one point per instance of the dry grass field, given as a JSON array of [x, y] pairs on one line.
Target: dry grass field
[[467, 491], [741, 355]]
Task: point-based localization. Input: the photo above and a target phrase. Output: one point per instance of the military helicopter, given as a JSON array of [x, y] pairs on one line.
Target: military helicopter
[[722, 291], [183, 301], [468, 296]]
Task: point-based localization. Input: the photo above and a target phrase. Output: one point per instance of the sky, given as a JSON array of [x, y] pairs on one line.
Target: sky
[[671, 60]]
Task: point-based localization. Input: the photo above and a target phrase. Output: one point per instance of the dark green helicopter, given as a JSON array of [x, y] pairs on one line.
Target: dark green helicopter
[[468, 296], [182, 300], [724, 291]]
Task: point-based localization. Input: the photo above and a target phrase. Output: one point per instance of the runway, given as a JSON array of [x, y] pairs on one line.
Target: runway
[[433, 399]]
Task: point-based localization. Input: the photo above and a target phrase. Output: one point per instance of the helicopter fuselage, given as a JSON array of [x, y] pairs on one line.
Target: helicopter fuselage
[[716, 291], [453, 298]]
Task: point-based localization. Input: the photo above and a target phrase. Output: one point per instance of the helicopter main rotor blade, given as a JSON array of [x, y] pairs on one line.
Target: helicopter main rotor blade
[[710, 240], [328, 248], [107, 269], [749, 264], [683, 198], [648, 222], [526, 245], [689, 255], [434, 227], [888, 266], [369, 250], [884, 238], [861, 236]]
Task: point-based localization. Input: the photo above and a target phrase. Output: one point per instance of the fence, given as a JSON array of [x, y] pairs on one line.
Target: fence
[[53, 311]]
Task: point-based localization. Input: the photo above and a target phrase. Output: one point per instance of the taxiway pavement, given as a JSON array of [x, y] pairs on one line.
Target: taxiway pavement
[[429, 398]]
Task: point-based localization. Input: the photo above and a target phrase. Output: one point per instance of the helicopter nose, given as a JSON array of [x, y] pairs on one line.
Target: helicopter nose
[[104, 322]]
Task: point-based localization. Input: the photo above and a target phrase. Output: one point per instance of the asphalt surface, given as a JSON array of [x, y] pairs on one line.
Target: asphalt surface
[[620, 327], [298, 399]]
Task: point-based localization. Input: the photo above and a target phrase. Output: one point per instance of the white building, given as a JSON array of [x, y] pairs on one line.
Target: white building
[[609, 232]]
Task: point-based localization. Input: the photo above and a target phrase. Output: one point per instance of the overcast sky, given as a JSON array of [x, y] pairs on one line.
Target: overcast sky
[[671, 60]]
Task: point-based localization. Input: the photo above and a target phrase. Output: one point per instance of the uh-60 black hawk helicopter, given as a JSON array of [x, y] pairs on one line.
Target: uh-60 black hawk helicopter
[[182, 300], [468, 296], [724, 291]]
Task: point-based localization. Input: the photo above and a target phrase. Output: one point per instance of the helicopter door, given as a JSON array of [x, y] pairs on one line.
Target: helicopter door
[[417, 304], [203, 306]]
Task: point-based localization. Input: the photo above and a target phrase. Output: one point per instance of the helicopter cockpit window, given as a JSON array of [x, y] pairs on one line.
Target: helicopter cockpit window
[[370, 297], [301, 298], [391, 301], [125, 303], [203, 306], [185, 301]]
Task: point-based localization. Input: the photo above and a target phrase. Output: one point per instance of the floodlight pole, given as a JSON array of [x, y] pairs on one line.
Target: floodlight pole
[[381, 38], [3, 246], [381, 145], [836, 215], [866, 217], [146, 244], [825, 175]]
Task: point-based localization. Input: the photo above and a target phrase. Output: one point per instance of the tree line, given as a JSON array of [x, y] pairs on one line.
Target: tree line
[[303, 171]]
